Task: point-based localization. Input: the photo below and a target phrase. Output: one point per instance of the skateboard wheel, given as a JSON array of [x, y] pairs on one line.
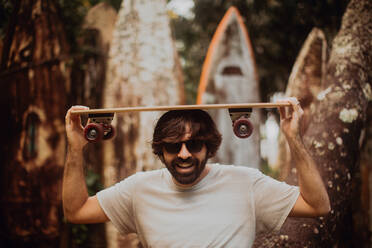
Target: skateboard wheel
[[93, 132], [243, 128], [109, 132]]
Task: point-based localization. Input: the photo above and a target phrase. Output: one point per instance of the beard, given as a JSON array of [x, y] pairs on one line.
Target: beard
[[192, 172]]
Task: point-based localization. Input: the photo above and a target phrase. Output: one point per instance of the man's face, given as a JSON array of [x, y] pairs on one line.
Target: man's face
[[186, 160]]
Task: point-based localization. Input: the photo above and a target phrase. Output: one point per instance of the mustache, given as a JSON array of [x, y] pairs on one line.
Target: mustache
[[188, 160], [181, 160]]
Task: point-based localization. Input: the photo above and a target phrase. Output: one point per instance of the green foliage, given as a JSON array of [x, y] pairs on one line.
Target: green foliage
[[268, 170], [191, 52], [93, 181], [80, 232], [73, 13], [6, 9], [277, 30], [115, 4]]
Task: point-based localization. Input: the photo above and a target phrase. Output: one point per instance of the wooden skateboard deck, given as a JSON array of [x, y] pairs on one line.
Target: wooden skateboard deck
[[100, 119], [181, 107]]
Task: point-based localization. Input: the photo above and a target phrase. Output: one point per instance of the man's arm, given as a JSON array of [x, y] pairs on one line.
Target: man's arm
[[78, 207], [313, 199]]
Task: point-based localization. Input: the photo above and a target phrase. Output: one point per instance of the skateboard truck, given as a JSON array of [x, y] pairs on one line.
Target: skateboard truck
[[100, 127], [242, 127]]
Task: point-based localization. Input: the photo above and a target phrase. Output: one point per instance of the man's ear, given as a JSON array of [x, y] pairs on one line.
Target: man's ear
[[161, 157], [209, 153]]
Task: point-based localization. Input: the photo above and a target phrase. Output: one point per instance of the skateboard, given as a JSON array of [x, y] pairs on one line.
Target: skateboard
[[100, 128]]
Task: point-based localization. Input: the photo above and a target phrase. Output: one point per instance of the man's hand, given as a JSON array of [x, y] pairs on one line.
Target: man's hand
[[290, 119], [74, 129], [78, 207], [313, 199]]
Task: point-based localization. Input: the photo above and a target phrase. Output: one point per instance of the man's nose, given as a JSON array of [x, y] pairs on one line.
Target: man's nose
[[184, 152]]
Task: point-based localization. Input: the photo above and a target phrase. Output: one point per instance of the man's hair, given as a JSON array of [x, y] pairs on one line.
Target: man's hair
[[172, 126]]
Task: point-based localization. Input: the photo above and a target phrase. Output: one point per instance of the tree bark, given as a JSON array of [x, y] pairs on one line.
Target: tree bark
[[143, 70], [34, 77], [334, 136], [364, 214]]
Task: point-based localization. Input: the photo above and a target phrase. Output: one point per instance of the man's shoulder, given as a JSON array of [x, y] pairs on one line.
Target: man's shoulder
[[236, 170], [141, 179], [233, 176], [146, 175]]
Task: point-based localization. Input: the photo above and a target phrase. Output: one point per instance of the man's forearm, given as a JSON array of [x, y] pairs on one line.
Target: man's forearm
[[311, 185], [74, 189]]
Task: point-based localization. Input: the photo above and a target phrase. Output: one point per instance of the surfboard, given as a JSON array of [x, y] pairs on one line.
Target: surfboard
[[229, 75], [34, 93], [143, 70], [304, 83]]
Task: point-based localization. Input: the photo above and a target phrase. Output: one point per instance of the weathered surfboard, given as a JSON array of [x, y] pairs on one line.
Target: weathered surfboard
[[35, 77], [229, 76], [143, 70], [304, 83]]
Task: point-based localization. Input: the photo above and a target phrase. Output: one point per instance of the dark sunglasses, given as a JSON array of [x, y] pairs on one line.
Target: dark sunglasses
[[192, 146]]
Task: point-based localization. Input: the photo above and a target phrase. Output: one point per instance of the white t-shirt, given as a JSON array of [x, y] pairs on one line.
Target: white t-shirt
[[225, 209]]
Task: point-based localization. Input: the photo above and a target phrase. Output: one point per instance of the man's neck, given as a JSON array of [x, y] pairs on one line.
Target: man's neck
[[202, 175]]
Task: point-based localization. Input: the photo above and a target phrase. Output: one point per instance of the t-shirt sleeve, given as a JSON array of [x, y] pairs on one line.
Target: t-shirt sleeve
[[273, 202], [117, 203]]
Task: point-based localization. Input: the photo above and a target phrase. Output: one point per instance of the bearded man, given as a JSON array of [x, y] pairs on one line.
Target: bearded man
[[192, 203]]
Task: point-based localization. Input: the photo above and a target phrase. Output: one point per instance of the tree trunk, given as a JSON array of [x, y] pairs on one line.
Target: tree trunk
[[333, 137], [33, 99], [366, 174], [143, 70]]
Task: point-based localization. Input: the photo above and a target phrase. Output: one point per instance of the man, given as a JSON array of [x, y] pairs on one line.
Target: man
[[191, 203]]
